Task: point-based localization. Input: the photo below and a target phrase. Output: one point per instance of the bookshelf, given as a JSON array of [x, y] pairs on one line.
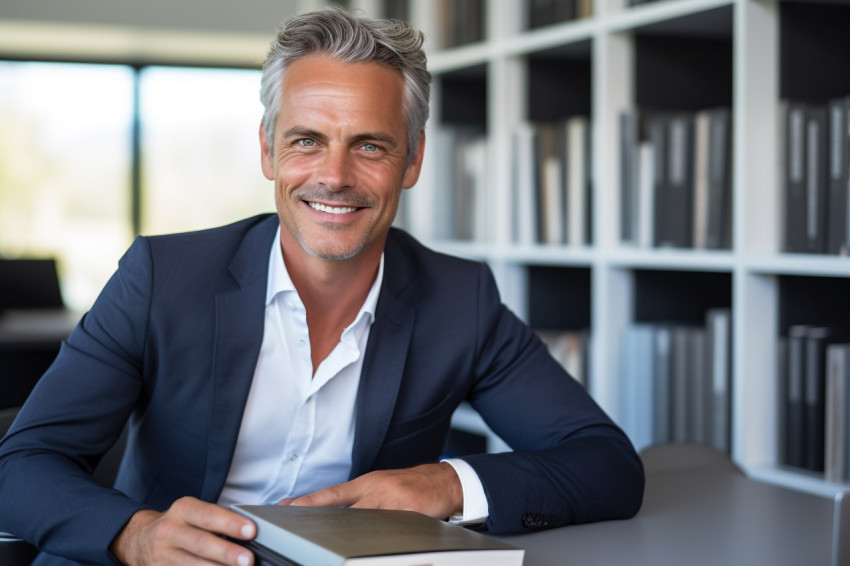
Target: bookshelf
[[676, 55]]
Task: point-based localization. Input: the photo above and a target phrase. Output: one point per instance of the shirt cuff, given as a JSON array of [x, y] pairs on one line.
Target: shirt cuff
[[475, 507]]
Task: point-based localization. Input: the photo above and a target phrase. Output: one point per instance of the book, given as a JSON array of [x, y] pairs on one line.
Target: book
[[524, 186], [718, 222], [837, 241], [794, 177], [817, 149], [793, 401], [719, 362], [550, 178], [628, 177], [818, 338], [570, 349], [836, 467], [331, 536], [701, 151], [679, 189], [645, 224], [637, 383], [577, 170]]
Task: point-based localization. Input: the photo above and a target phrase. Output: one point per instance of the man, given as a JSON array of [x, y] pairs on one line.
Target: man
[[312, 358]]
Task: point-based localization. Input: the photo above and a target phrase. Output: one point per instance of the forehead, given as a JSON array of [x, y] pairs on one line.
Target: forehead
[[325, 76]]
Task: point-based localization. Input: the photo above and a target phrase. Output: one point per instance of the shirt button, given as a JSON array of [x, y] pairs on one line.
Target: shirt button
[[293, 457]]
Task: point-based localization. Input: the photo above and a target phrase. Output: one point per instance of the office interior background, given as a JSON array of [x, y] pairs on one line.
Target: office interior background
[[126, 118]]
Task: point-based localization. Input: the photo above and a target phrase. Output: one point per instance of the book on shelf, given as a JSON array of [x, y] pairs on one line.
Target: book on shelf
[[330, 536], [524, 195], [794, 179], [676, 178], [552, 192], [547, 12], [804, 395], [628, 177], [461, 21], [462, 209], [815, 176], [571, 349], [675, 382], [678, 188], [551, 186], [837, 426], [718, 222], [838, 238]]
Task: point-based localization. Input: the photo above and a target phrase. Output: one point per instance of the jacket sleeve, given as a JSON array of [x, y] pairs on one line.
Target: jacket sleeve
[[73, 416], [570, 463]]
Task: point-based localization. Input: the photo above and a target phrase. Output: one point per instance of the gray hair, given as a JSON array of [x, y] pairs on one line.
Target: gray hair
[[335, 32]]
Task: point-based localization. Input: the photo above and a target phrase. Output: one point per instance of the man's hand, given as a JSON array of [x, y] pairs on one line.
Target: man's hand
[[190, 532], [431, 489]]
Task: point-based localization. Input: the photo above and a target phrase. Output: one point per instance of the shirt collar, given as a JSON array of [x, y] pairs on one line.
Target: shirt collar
[[279, 281]]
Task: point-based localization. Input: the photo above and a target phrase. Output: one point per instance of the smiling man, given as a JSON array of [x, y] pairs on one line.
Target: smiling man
[[313, 357]]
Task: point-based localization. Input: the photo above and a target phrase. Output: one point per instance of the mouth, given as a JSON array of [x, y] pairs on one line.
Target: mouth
[[332, 209]]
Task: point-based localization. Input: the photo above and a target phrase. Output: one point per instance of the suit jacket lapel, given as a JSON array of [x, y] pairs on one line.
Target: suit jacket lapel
[[240, 315], [383, 365]]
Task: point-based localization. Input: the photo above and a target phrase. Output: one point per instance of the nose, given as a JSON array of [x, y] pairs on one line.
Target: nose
[[334, 170]]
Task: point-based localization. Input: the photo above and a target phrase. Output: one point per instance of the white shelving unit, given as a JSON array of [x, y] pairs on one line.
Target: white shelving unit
[[754, 267]]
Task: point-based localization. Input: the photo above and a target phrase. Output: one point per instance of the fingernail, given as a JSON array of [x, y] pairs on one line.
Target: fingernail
[[247, 531], [244, 559]]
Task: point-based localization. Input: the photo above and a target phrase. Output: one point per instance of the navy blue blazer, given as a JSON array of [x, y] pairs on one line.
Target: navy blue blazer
[[171, 345]]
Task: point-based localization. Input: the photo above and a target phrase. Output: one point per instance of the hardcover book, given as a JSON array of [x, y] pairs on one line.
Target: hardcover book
[[331, 536]]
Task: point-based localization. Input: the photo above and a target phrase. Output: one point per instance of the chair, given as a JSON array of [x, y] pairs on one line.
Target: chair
[[16, 552], [682, 455]]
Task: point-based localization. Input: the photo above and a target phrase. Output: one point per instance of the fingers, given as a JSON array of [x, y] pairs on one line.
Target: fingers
[[340, 495], [190, 532], [432, 489]]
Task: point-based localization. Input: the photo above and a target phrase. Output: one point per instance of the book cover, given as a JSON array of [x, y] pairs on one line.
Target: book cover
[[718, 223], [794, 177], [837, 398], [628, 177], [525, 183], [701, 151], [576, 130], [680, 182], [719, 380], [817, 149], [637, 377], [330, 536], [837, 208], [662, 395], [657, 137], [793, 399]]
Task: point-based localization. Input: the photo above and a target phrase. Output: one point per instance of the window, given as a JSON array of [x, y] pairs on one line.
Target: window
[[67, 170], [200, 148]]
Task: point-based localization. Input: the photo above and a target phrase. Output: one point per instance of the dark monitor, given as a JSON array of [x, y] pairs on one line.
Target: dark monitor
[[29, 284]]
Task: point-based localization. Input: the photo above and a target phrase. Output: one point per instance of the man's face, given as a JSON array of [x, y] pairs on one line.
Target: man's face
[[339, 155]]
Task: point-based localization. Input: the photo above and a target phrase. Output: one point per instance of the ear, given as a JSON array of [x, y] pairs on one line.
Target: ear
[[411, 173], [266, 158]]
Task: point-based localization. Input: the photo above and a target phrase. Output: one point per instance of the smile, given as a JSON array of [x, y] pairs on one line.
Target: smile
[[332, 209]]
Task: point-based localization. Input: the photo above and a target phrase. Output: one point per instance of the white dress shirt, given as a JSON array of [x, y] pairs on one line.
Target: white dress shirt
[[297, 432]]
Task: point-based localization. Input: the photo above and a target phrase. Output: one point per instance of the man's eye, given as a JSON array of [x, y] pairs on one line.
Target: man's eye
[[306, 142], [370, 147]]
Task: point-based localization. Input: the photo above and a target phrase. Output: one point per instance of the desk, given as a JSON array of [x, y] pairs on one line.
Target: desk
[[29, 341], [697, 517]]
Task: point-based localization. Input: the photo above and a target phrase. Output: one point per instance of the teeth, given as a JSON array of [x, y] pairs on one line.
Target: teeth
[[332, 209]]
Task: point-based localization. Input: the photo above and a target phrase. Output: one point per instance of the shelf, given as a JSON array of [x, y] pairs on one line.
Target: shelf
[[667, 56]]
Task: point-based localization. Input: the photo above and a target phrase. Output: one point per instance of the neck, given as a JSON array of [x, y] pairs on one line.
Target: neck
[[333, 291]]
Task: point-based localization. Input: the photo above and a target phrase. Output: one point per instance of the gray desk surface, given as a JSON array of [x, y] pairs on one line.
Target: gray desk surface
[[696, 518], [22, 328]]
